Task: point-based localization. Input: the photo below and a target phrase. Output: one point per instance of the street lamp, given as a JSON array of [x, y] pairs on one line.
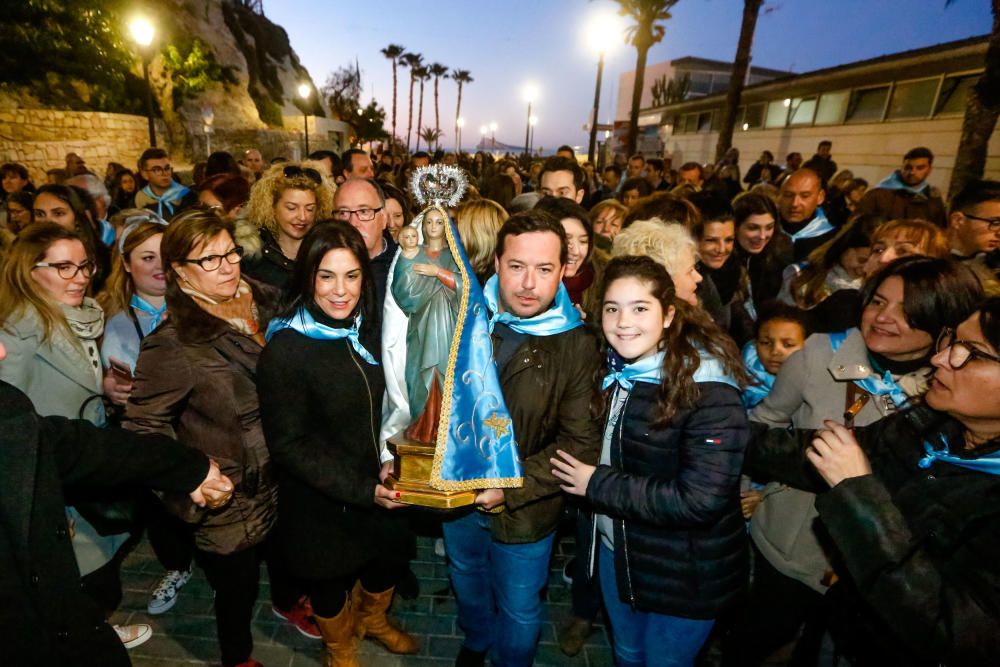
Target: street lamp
[[459, 124], [532, 122], [304, 90], [493, 135], [530, 95], [142, 33], [603, 31]]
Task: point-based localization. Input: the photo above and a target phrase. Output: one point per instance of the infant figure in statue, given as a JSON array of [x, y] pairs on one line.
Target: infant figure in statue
[[425, 285]]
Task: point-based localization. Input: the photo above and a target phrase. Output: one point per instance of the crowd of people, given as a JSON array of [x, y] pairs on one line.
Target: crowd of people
[[765, 415]]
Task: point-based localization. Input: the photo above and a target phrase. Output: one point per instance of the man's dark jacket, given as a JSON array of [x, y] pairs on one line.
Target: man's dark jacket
[[548, 385], [46, 620]]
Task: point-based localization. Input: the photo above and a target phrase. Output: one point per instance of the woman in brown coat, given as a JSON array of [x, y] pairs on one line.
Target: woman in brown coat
[[194, 381]]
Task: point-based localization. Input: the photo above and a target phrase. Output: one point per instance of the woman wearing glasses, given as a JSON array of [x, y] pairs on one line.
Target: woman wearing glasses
[[284, 205], [913, 508], [870, 371], [194, 381], [51, 328]]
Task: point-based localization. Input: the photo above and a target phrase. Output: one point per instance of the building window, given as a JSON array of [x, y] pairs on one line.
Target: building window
[[912, 99], [867, 105], [832, 107], [954, 93], [690, 123], [777, 113], [705, 121], [802, 110], [754, 116]]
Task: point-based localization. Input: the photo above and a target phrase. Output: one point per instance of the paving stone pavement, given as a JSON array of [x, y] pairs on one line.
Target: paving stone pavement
[[185, 635]]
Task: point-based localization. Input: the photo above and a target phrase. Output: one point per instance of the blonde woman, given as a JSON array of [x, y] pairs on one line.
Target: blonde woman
[[50, 329], [284, 205], [671, 245], [478, 221]]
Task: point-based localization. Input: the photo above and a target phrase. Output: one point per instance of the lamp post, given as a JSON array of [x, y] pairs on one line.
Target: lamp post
[[603, 31], [532, 122], [459, 124], [142, 33], [530, 95], [207, 119], [304, 90], [493, 135], [482, 131]]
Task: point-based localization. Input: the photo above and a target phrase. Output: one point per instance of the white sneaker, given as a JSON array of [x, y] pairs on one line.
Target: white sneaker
[[133, 635], [165, 594]]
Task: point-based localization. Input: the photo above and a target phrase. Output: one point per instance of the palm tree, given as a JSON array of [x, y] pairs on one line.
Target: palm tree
[[643, 34], [460, 76], [437, 70], [421, 75], [393, 53], [982, 109], [751, 9], [432, 136], [413, 61]]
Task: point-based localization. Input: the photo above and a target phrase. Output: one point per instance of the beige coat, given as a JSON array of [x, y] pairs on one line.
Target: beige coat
[[812, 386]]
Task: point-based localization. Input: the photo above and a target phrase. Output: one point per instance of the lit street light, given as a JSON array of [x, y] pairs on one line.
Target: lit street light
[[532, 122], [142, 34], [493, 134], [459, 124], [530, 95], [304, 90], [603, 31]]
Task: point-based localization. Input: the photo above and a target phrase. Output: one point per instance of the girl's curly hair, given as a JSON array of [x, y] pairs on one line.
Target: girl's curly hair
[[266, 192]]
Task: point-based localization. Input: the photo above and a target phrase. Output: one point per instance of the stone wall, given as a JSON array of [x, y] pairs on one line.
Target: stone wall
[[40, 138]]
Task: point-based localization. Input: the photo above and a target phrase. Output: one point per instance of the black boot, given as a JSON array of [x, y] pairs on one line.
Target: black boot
[[469, 658]]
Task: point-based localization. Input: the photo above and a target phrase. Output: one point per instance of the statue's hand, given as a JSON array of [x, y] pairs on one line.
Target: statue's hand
[[426, 270]]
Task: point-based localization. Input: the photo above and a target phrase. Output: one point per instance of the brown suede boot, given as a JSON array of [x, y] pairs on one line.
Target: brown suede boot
[[373, 622], [338, 638]]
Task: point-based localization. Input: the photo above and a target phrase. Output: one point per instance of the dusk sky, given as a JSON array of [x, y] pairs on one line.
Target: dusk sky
[[507, 44]]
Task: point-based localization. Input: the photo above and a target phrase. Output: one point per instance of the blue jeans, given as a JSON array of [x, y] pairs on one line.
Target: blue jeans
[[498, 589], [647, 639]]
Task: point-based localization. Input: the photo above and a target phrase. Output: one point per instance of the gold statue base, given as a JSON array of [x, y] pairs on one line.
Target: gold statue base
[[414, 462]]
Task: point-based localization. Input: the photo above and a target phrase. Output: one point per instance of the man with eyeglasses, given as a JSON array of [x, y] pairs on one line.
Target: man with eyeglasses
[[360, 202], [162, 194]]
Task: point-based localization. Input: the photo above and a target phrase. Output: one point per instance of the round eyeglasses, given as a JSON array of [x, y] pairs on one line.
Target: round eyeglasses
[[961, 352], [213, 262]]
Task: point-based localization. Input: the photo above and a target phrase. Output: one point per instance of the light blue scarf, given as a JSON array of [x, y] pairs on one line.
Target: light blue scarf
[[561, 317], [107, 233], [168, 199], [155, 314], [755, 392], [650, 370], [818, 226], [303, 322], [988, 463], [894, 182], [873, 384]]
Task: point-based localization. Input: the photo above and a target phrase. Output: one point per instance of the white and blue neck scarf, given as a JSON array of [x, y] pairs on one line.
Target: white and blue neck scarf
[[894, 182], [650, 370], [988, 463], [873, 384], [757, 391], [303, 322], [155, 314], [165, 202], [561, 317], [818, 226]]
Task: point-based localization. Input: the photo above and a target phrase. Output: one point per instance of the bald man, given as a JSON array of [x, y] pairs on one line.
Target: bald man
[[801, 211]]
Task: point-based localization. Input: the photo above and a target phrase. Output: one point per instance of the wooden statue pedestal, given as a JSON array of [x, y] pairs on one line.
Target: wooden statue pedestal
[[414, 462]]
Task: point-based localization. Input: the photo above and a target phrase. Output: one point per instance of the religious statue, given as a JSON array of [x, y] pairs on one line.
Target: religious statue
[[444, 418], [425, 288]]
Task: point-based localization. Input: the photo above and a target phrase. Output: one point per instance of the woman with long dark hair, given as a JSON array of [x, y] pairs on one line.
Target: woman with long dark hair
[[320, 389], [672, 544]]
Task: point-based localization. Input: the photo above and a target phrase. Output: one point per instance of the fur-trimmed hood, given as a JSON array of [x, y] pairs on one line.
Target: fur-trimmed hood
[[248, 236]]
